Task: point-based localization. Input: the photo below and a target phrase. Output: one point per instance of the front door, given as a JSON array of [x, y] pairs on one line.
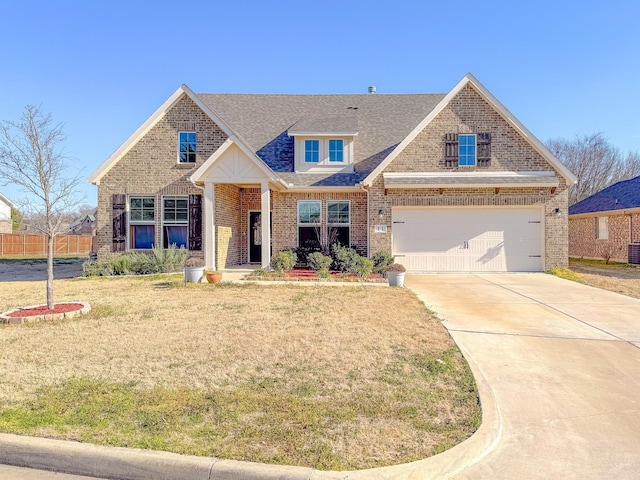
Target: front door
[[255, 237]]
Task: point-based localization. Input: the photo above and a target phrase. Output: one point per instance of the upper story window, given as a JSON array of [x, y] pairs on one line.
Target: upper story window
[[336, 150], [141, 222], [312, 151], [187, 147], [467, 150]]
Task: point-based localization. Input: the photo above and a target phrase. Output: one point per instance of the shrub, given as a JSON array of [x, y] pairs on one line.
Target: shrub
[[345, 259], [319, 262], [139, 263], [169, 259], [381, 262], [363, 267], [283, 260]]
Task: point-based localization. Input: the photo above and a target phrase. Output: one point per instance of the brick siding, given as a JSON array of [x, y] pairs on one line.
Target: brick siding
[[469, 113], [151, 167], [584, 241], [285, 217]]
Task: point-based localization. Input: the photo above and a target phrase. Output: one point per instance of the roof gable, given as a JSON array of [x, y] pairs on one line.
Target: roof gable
[[498, 107], [619, 196], [183, 90], [6, 201]]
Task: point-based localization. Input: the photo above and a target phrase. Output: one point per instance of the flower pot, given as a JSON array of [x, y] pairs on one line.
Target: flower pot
[[396, 279], [193, 274], [214, 277]]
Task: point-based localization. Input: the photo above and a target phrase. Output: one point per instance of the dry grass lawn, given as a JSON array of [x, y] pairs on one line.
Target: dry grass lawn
[[327, 377], [616, 277]]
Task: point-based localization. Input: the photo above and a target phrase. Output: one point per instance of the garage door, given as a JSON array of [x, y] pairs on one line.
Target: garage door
[[468, 239]]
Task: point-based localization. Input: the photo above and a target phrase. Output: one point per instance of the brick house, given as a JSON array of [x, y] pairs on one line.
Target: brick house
[[6, 224], [446, 182], [603, 225]]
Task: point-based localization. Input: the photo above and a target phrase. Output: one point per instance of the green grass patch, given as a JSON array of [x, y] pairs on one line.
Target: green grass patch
[[566, 273]]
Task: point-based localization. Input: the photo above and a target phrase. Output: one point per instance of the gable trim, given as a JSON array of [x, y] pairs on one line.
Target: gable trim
[[498, 107], [95, 177], [196, 177], [7, 201], [142, 130]]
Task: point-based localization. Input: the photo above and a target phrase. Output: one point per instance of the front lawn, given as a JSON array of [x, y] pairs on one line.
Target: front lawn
[[327, 377], [616, 277]]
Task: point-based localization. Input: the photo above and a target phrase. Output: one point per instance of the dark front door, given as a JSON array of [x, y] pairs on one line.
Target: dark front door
[[255, 237]]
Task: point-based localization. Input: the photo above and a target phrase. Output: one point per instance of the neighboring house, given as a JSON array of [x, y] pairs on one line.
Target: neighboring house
[[604, 224], [6, 224], [84, 225], [446, 182]]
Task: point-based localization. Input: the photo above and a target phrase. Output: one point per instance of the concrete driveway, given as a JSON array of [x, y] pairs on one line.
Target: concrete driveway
[[562, 361]]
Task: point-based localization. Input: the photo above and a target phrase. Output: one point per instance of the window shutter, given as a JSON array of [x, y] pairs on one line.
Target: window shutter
[[195, 222], [484, 149], [119, 205], [451, 150]]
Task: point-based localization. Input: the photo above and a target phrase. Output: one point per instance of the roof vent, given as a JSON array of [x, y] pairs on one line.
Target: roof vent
[[372, 89]]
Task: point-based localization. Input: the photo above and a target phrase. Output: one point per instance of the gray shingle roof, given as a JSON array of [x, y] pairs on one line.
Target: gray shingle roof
[[263, 122], [619, 196]]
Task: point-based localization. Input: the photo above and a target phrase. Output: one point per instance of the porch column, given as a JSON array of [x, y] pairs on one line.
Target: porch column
[[266, 223], [209, 226]]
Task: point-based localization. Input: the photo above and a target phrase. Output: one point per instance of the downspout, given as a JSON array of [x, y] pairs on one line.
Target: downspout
[[362, 187]]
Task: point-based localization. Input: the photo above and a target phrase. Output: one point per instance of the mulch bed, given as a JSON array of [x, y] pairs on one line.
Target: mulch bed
[[44, 310], [307, 274]]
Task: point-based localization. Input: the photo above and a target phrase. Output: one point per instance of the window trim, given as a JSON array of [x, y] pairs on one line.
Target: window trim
[[188, 153], [330, 150], [142, 222], [466, 156], [602, 228], [164, 223], [314, 225], [316, 151], [346, 225]]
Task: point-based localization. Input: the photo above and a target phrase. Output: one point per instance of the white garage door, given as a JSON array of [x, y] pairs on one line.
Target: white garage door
[[468, 239]]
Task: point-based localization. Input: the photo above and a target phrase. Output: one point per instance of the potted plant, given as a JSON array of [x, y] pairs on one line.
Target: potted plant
[[193, 270], [213, 276], [395, 275]]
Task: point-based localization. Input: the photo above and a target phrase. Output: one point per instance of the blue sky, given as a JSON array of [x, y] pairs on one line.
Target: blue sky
[[102, 67]]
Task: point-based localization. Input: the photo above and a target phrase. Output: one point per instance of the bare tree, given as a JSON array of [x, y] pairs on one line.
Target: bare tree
[[31, 158], [592, 159]]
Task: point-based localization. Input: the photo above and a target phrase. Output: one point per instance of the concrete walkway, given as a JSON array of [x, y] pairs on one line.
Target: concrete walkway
[[563, 363]]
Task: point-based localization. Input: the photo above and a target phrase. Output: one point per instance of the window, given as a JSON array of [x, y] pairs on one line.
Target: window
[[338, 221], [311, 151], [175, 221], [309, 223], [602, 228], [141, 222], [336, 150], [187, 147], [466, 150]]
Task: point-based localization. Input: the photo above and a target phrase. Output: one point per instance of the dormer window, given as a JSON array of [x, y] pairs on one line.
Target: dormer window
[[324, 144], [312, 151], [336, 150]]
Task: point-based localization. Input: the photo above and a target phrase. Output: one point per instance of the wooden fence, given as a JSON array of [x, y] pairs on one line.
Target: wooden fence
[[26, 244]]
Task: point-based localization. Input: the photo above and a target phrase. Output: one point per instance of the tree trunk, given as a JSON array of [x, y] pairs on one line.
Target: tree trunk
[[50, 240]]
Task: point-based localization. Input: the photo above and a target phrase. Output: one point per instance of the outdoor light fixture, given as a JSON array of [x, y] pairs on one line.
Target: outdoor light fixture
[[557, 210], [381, 212]]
